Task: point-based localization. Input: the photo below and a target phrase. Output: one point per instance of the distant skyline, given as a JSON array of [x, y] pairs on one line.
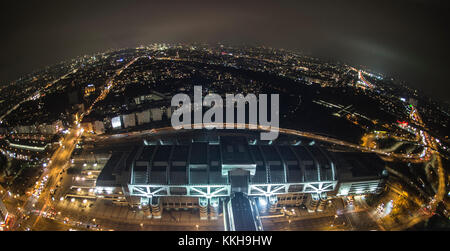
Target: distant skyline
[[407, 39]]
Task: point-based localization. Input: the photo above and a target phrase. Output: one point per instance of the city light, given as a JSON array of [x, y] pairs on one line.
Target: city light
[[262, 201], [369, 148]]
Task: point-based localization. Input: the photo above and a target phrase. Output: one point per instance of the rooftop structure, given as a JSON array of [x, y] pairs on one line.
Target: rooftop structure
[[237, 170], [203, 167]]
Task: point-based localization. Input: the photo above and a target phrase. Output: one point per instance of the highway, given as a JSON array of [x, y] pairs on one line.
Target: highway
[[430, 152], [367, 83]]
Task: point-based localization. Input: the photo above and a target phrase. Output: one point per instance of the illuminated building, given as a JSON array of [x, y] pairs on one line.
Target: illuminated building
[[205, 169]]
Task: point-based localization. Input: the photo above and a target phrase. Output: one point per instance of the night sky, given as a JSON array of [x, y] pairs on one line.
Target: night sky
[[407, 39]]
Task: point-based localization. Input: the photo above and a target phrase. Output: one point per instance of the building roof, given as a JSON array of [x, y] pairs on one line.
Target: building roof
[[206, 162]]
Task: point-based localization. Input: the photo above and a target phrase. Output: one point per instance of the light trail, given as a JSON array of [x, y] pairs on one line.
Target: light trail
[[367, 83]]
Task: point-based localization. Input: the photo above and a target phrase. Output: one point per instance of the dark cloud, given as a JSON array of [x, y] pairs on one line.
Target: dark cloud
[[407, 39]]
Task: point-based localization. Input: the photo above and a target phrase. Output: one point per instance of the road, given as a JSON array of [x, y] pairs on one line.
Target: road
[[431, 150], [60, 159], [57, 163], [108, 86], [134, 135]]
